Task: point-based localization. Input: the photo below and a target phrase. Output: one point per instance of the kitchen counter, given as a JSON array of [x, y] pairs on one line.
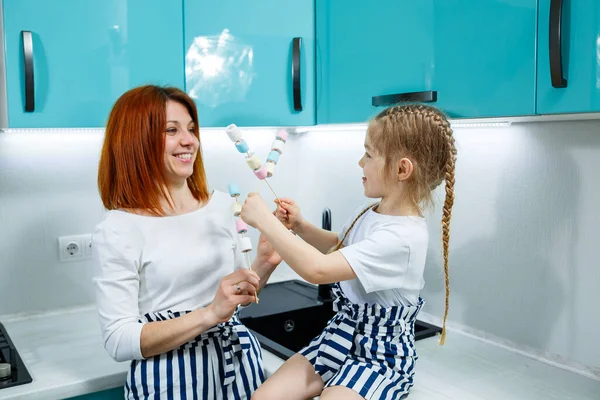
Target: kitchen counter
[[63, 352]]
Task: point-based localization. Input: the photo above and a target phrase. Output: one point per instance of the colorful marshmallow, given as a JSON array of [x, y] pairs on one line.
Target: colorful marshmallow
[[241, 226], [281, 135]]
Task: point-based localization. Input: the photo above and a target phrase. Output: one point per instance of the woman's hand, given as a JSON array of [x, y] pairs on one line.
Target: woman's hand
[[265, 253], [255, 210], [237, 288], [289, 214]]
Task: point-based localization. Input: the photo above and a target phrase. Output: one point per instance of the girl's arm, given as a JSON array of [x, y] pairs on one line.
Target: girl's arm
[[308, 262], [290, 216], [319, 238]]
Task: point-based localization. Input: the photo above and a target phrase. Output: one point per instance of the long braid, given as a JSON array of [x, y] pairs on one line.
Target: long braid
[[447, 212], [340, 243]]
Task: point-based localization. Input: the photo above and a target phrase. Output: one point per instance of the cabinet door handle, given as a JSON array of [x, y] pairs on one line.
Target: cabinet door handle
[[428, 96], [296, 48], [555, 36], [28, 64]]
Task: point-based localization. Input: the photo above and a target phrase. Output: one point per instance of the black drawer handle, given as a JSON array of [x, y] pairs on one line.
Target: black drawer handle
[[28, 63], [296, 48], [555, 36], [428, 96]]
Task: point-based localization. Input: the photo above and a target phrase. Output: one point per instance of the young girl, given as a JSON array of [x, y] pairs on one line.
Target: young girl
[[367, 349]]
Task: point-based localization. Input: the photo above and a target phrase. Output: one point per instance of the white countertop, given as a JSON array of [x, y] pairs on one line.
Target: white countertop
[[64, 354]]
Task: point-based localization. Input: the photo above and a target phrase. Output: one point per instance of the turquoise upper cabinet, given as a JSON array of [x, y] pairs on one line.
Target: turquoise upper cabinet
[[371, 48], [484, 57], [568, 56], [470, 58], [251, 62], [68, 61]]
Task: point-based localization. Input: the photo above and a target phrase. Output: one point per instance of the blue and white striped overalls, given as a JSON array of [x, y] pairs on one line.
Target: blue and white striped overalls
[[367, 348], [222, 363]]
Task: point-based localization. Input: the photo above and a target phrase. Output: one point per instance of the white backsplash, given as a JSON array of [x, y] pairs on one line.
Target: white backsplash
[[524, 265]]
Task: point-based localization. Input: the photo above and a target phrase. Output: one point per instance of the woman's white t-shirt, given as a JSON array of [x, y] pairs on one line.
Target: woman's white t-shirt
[[146, 264], [387, 254]]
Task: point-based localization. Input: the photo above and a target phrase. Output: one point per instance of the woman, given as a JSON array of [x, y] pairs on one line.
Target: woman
[[169, 273]]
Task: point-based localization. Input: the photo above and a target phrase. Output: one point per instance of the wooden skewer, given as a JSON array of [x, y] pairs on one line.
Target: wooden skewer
[[275, 194], [250, 268]]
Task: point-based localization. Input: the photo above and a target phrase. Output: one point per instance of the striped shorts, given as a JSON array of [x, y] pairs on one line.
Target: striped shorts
[[222, 363], [367, 348]]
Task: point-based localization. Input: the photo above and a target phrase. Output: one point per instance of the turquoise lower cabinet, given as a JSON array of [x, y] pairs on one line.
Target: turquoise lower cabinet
[[568, 56], [369, 49], [67, 61], [112, 394], [470, 58], [251, 62], [484, 57]]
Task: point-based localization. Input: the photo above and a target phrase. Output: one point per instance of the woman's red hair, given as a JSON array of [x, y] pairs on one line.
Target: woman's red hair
[[131, 173]]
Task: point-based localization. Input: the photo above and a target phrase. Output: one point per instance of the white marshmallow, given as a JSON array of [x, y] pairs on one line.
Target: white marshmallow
[[246, 244], [254, 162], [236, 208], [234, 133]]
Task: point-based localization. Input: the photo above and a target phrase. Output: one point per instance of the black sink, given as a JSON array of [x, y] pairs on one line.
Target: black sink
[[290, 315]]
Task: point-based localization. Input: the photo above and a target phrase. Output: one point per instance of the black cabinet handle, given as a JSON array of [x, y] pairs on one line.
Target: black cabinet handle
[[555, 36], [296, 48], [28, 63], [429, 96], [326, 221]]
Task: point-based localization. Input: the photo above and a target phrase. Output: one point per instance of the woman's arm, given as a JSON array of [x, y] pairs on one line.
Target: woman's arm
[[117, 288], [266, 261], [307, 261], [162, 336]]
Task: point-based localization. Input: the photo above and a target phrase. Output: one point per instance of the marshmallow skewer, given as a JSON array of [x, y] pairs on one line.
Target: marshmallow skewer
[[240, 226], [253, 161]]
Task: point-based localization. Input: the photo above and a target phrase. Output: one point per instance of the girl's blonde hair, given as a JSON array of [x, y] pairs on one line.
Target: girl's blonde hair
[[424, 136]]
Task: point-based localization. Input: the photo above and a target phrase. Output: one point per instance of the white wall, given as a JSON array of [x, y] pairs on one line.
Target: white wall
[[524, 241], [524, 260]]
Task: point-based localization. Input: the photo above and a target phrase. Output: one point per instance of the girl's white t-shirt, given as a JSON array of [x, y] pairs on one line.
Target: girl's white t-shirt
[[145, 264], [387, 254]]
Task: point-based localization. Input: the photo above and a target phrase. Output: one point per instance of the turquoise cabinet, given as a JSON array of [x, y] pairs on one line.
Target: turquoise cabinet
[[111, 394], [569, 50], [472, 59], [484, 57], [371, 48], [85, 54], [251, 62]]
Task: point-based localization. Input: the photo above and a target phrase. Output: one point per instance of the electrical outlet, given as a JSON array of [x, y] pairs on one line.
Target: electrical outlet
[[74, 248]]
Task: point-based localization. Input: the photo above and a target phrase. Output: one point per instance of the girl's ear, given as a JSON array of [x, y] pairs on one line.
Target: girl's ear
[[405, 169]]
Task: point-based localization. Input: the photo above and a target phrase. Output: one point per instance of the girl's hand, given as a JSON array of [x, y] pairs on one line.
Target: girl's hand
[[289, 214], [236, 288], [254, 210]]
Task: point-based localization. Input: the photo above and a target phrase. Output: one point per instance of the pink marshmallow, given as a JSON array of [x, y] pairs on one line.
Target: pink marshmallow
[[240, 226], [283, 135], [261, 173]]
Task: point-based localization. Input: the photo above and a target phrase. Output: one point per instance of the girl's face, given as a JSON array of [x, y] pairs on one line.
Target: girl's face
[[373, 166], [181, 145]]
